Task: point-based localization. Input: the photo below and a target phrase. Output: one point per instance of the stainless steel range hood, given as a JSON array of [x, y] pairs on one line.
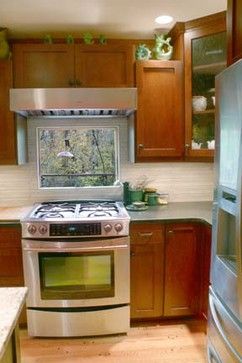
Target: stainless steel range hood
[[73, 102]]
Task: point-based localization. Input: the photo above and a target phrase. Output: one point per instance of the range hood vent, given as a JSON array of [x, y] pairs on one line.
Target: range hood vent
[[73, 102]]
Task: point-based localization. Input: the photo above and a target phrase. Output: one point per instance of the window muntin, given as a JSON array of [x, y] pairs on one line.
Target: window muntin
[[77, 156]]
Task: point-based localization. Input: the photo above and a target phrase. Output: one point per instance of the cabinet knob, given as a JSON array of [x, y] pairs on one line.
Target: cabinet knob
[[132, 254], [170, 231], [71, 83], [140, 146], [78, 83], [187, 146]]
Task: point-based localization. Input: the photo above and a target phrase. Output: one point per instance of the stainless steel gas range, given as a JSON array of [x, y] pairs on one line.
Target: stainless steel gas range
[[76, 266]]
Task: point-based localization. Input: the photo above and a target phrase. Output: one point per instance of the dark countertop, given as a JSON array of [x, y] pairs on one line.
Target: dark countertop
[[180, 211]]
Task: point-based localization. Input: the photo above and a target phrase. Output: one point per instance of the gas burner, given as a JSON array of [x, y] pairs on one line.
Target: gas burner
[[51, 214], [100, 209]]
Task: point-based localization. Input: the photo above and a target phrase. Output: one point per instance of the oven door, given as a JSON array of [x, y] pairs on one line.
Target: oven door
[[77, 273]]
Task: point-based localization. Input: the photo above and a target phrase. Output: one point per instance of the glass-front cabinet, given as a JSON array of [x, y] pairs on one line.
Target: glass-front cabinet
[[206, 56]]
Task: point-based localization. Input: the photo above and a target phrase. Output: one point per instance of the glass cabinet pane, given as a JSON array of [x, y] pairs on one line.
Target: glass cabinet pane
[[208, 59]]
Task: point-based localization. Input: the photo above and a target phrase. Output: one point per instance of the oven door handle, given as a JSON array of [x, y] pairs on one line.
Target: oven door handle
[[76, 249]]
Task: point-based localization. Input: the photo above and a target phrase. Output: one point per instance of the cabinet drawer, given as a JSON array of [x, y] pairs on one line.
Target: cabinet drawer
[[146, 233]]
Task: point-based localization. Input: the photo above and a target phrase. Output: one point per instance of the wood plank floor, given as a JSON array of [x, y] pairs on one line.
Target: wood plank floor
[[169, 342]]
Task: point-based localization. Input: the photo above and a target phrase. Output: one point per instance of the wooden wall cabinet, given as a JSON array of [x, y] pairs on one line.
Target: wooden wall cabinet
[[11, 268], [8, 151], [182, 270], [205, 56], [72, 65], [160, 113], [147, 264], [234, 30]]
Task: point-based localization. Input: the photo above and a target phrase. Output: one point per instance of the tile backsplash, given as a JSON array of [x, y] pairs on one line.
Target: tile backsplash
[[182, 181]]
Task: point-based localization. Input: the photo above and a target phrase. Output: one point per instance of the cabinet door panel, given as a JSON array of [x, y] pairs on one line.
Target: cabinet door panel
[[43, 65], [160, 129], [103, 65], [7, 124], [11, 269], [146, 281], [205, 56], [181, 270], [147, 269]]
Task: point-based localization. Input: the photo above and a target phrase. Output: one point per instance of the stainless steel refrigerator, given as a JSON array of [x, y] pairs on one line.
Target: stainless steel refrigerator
[[225, 295]]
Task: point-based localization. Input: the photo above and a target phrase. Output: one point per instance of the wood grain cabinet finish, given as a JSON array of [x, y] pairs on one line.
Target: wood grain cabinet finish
[[11, 268], [205, 248], [7, 124], [147, 264], [72, 65], [200, 124], [182, 270], [234, 30], [160, 113]]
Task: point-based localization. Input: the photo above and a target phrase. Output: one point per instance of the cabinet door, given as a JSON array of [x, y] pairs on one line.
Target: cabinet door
[[206, 233], [159, 126], [205, 56], [147, 260], [7, 125], [11, 269], [182, 272], [43, 65], [105, 65], [234, 30]]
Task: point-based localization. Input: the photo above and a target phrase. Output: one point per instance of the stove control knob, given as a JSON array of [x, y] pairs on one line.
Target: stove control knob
[[107, 228], [31, 229], [118, 227], [42, 229]]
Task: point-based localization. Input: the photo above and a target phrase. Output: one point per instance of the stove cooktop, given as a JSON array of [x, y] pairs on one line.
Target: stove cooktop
[[76, 219]]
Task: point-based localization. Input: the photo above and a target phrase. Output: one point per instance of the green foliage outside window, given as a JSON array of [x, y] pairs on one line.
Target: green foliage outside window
[[77, 157]]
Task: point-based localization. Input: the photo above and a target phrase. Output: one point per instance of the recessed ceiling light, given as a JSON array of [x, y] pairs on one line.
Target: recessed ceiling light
[[164, 19]]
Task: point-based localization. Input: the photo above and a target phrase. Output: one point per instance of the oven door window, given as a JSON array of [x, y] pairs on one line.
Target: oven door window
[[88, 275]]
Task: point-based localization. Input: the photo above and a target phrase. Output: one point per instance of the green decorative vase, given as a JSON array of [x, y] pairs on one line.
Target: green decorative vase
[[4, 47]]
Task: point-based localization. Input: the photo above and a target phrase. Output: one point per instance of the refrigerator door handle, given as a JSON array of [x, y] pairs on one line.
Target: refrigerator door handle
[[220, 329]]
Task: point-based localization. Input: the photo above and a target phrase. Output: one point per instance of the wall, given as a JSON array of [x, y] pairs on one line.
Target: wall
[[183, 181]]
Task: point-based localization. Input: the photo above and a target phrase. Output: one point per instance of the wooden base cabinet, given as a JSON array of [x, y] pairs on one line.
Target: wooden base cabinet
[[147, 264], [11, 268], [182, 273]]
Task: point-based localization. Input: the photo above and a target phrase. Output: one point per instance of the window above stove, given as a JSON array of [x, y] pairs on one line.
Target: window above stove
[[77, 156]]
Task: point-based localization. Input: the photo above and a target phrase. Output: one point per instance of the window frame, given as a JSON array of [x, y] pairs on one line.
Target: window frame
[[90, 126]]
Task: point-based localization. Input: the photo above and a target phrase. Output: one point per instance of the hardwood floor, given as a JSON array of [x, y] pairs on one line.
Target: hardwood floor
[[169, 342]]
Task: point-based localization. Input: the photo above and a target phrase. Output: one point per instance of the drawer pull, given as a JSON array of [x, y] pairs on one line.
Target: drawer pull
[[145, 234], [132, 254]]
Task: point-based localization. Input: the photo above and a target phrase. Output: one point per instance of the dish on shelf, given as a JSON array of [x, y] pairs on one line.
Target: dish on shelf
[[199, 103], [133, 208]]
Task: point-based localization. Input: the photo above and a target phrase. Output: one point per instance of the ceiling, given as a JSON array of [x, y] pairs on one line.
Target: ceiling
[[113, 18]]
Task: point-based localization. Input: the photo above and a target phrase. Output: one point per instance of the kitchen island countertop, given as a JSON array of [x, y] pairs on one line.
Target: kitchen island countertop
[[180, 211], [13, 214], [11, 302]]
